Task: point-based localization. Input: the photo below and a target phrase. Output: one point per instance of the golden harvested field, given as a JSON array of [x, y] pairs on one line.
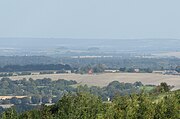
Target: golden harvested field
[[105, 78], [9, 97]]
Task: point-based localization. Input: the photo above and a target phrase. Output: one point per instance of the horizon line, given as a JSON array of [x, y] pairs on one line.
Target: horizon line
[[90, 38]]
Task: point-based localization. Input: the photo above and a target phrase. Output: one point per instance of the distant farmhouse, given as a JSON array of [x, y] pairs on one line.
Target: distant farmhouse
[[167, 72], [111, 71]]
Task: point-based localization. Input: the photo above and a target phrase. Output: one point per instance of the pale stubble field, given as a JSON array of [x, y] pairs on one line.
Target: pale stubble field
[[105, 78]]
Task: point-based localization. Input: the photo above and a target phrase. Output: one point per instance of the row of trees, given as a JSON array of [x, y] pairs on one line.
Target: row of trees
[[110, 62], [98, 68], [12, 74], [140, 70], [87, 106], [128, 62], [37, 67]]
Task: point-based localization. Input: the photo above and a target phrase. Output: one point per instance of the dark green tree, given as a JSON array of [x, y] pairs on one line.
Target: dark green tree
[[10, 114]]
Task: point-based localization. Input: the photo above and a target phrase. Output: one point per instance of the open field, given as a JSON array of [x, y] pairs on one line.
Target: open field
[[105, 78], [9, 97], [168, 54]]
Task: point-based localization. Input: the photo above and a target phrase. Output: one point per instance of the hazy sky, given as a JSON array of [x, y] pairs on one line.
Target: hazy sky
[[90, 18]]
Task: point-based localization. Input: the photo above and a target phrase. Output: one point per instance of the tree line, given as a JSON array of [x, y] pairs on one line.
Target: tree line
[[37, 67]]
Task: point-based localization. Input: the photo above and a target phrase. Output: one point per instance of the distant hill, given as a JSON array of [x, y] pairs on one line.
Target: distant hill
[[34, 45]]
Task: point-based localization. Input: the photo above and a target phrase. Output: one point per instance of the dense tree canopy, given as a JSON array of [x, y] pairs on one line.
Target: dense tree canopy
[[88, 106]]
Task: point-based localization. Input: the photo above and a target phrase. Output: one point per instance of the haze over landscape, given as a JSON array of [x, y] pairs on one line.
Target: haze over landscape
[[89, 59], [32, 46], [122, 26]]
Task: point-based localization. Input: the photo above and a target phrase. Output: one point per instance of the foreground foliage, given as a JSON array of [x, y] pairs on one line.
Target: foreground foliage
[[87, 106]]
